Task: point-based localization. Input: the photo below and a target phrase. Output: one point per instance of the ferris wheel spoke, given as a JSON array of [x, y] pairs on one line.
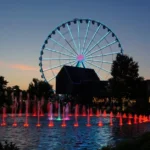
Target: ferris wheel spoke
[[73, 64], [72, 38], [67, 43], [87, 29], [107, 54], [102, 48], [92, 38], [79, 36], [57, 66], [98, 67], [94, 70], [60, 44], [51, 78], [44, 59], [97, 42], [53, 50], [107, 62]]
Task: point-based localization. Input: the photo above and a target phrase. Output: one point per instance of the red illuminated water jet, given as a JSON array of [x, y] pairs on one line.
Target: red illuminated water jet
[[70, 114], [111, 123], [124, 115], [76, 124], [15, 109], [38, 116], [63, 124], [100, 124], [130, 116], [97, 112], [34, 108], [91, 112], [129, 121], [140, 119], [3, 117], [83, 111], [14, 124], [41, 107], [20, 105], [76, 116], [104, 113], [38, 125], [3, 124], [26, 115], [51, 124], [56, 108], [5, 113], [26, 125], [118, 115], [135, 119], [120, 120], [88, 118], [63, 121], [111, 114]]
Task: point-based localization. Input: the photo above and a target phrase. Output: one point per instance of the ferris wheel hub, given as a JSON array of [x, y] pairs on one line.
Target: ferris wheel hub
[[80, 57]]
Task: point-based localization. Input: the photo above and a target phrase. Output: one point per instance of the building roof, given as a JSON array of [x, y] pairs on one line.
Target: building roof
[[78, 75]]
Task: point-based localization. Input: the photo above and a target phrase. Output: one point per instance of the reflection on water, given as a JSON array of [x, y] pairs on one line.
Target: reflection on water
[[70, 137]]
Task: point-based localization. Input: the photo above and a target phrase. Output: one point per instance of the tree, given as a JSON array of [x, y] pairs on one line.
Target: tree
[[125, 77], [16, 90], [3, 84], [40, 88]]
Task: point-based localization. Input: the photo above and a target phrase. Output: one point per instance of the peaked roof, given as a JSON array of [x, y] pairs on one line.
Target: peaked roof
[[77, 74]]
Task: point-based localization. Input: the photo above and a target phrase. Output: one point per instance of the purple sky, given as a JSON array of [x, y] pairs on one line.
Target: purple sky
[[25, 25]]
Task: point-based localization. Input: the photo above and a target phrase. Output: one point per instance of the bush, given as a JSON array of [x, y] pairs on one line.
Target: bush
[[8, 146]]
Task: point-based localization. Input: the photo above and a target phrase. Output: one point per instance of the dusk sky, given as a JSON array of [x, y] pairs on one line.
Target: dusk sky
[[24, 26]]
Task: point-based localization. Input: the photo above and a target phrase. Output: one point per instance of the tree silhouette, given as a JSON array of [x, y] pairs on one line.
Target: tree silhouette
[[125, 77], [40, 88], [3, 84]]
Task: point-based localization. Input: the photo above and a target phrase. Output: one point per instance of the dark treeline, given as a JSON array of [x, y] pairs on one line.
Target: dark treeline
[[124, 84], [37, 88]]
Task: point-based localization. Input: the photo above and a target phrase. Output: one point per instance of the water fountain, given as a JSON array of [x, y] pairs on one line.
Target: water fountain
[[120, 120], [54, 113], [83, 110], [3, 117], [20, 104], [12, 106], [91, 111], [63, 120], [38, 115], [26, 124], [111, 116], [56, 109], [34, 108], [41, 107], [67, 112], [88, 118], [15, 110], [100, 124], [76, 116], [59, 115], [51, 123]]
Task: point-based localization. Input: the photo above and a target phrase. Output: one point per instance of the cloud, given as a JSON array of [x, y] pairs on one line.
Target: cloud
[[23, 67]]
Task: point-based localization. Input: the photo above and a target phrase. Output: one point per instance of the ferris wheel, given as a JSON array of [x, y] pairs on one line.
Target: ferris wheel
[[81, 43]]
